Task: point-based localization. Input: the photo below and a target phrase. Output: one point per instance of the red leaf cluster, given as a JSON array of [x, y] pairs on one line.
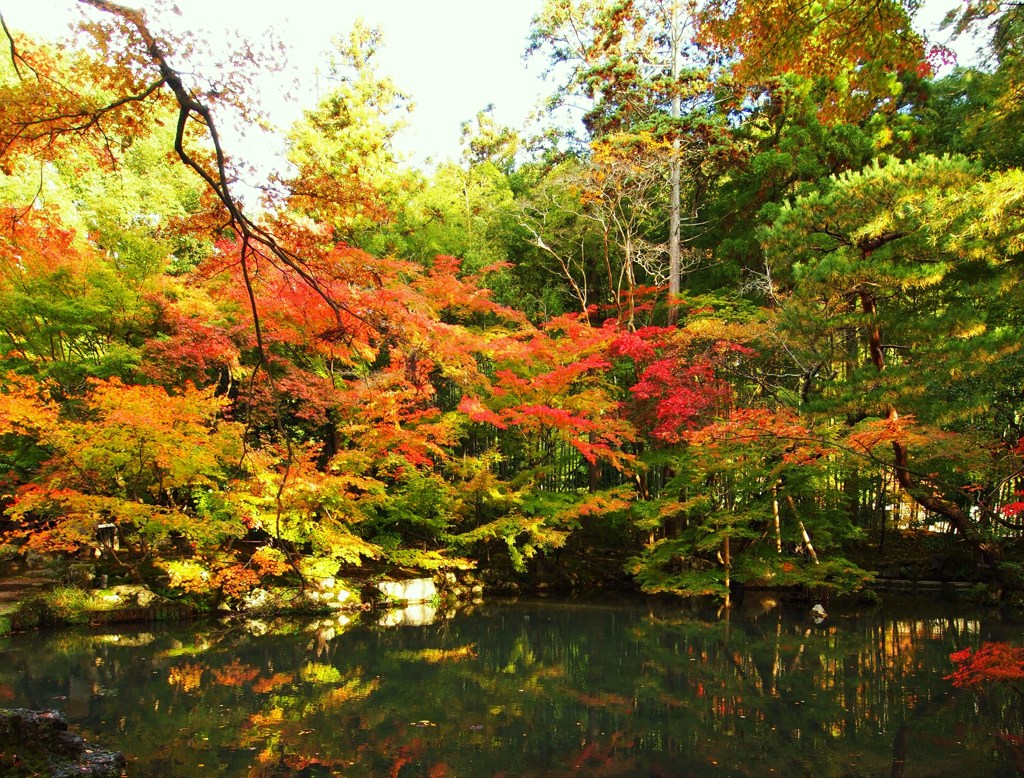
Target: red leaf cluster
[[992, 662]]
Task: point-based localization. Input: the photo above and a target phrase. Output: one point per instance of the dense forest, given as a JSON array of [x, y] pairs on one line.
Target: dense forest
[[757, 319]]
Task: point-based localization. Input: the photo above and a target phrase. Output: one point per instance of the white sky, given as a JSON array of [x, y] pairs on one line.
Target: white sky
[[452, 56]]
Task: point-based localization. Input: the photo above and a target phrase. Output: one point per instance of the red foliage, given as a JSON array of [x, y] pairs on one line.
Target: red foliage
[[639, 345], [1014, 508], [194, 351], [681, 384], [992, 662], [683, 395], [554, 381], [938, 57], [475, 410]]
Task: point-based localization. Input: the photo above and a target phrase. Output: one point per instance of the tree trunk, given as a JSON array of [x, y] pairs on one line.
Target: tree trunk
[[727, 561], [953, 513], [775, 519], [674, 247], [803, 530], [922, 494]]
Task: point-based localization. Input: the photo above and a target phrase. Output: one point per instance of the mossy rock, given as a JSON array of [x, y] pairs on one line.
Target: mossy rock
[[34, 743]]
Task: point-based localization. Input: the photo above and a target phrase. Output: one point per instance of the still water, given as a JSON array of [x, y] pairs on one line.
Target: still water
[[537, 689]]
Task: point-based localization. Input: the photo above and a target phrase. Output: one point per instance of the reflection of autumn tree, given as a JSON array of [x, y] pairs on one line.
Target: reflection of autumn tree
[[755, 677], [595, 689], [235, 674], [186, 677]]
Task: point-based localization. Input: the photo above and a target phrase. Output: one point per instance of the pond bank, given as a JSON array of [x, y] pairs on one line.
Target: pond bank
[[29, 603], [37, 596]]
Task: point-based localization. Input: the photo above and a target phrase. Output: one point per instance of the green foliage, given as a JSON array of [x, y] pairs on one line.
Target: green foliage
[[348, 175], [61, 605], [383, 370]]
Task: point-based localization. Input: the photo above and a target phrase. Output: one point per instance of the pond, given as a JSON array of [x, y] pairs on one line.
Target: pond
[[539, 688]]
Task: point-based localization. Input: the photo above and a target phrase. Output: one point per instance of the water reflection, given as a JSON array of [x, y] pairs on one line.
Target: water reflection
[[419, 615], [535, 689]]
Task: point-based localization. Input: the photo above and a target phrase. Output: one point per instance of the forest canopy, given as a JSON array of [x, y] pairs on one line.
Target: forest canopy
[[758, 312]]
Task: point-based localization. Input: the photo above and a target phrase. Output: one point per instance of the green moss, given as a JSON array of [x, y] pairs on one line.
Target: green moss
[[69, 605], [61, 605]]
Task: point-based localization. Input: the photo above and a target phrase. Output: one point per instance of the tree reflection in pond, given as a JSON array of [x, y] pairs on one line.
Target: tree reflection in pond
[[540, 688]]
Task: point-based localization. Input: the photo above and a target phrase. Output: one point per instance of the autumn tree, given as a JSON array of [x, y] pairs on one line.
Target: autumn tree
[[640, 70], [547, 424], [855, 50], [383, 341], [120, 460]]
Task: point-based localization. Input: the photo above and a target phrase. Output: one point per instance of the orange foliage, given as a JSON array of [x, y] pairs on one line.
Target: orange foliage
[[235, 674], [83, 99], [235, 580], [120, 461], [553, 382], [857, 46], [186, 677], [276, 681], [762, 426], [268, 562]]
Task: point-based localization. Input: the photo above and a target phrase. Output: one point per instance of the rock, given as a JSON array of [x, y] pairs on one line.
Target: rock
[[130, 595], [257, 599], [42, 738], [414, 590]]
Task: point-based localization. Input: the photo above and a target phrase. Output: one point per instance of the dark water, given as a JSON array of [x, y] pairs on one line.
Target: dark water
[[538, 689]]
